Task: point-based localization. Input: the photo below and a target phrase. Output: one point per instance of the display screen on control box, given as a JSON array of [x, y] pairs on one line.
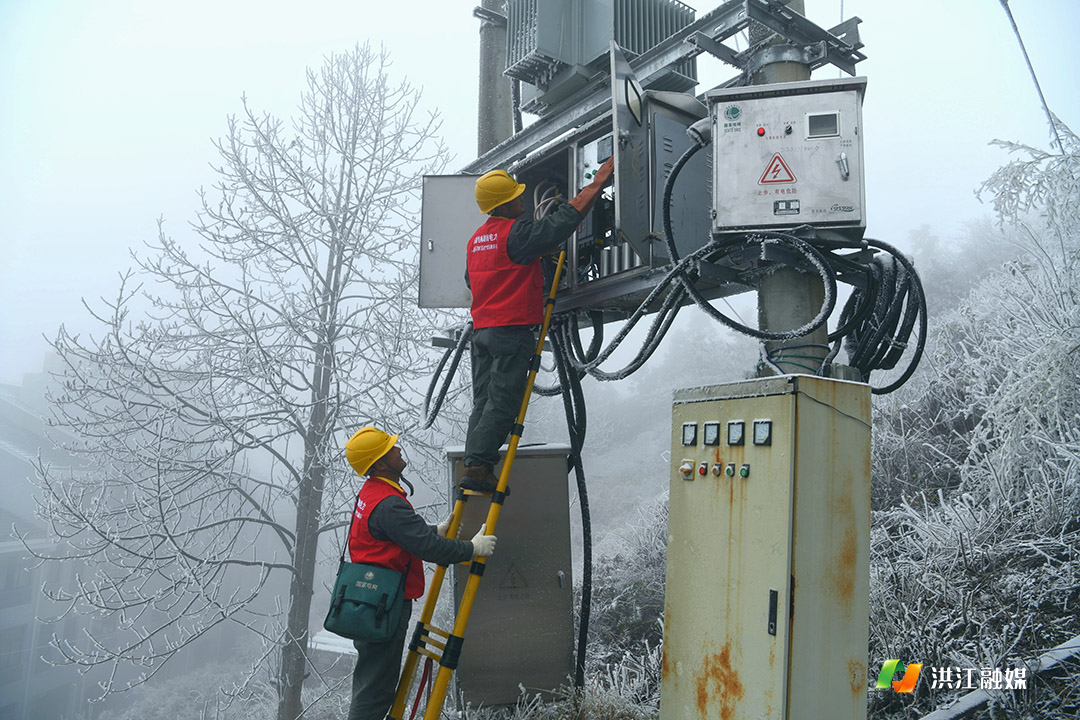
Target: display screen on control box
[[604, 148]]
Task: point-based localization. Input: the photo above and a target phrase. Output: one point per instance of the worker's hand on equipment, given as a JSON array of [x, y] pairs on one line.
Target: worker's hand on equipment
[[444, 527], [604, 173], [483, 545]]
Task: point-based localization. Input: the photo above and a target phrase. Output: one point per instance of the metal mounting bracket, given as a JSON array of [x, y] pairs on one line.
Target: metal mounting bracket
[[716, 49], [489, 17]]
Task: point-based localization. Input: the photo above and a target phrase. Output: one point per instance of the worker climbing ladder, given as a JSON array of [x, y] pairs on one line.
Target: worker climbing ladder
[[434, 643]]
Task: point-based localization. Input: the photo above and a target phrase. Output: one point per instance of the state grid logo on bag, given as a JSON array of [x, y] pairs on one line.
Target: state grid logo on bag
[[366, 582]]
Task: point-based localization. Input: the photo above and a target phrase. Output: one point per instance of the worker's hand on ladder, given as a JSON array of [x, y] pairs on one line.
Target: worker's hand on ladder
[[444, 527], [483, 544]]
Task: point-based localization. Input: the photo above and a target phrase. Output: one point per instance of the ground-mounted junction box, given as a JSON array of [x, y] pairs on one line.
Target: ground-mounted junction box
[[789, 154], [521, 630], [767, 582]]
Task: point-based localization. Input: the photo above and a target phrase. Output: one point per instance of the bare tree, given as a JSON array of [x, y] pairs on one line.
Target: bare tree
[[212, 410]]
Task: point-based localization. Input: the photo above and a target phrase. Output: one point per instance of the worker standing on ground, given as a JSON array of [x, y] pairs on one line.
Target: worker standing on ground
[[503, 271], [386, 531]]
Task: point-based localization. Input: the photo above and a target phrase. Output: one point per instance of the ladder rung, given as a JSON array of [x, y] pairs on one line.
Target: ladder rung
[[432, 630], [427, 653], [433, 643]]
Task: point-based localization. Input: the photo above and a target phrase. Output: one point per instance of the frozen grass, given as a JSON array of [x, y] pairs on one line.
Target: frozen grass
[[975, 547]]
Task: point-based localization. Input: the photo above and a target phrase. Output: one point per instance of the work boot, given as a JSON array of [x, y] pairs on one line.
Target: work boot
[[479, 478]]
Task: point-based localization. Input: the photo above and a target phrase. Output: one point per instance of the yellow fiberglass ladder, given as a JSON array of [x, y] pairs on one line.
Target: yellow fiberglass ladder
[[439, 645]]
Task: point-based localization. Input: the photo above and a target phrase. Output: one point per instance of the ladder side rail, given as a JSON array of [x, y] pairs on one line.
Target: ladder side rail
[[448, 665], [397, 710]]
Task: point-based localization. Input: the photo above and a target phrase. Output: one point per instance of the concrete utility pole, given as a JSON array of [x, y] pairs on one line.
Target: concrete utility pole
[[787, 298], [495, 110]]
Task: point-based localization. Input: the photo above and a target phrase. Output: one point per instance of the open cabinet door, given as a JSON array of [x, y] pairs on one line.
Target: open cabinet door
[[448, 218], [630, 125]]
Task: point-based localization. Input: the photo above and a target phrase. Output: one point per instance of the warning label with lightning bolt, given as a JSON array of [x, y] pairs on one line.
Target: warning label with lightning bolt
[[777, 172]]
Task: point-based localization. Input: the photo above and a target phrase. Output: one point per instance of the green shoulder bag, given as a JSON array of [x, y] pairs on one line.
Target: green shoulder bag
[[367, 599]]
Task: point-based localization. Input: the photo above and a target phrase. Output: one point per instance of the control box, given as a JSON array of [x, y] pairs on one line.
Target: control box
[[591, 156], [620, 243], [768, 555], [789, 154]]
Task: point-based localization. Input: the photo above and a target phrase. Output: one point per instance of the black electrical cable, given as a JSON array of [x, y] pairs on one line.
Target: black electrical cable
[[877, 321], [431, 413], [597, 319], [659, 327], [857, 307], [669, 186], [665, 316], [811, 254], [866, 344], [808, 251], [576, 423]]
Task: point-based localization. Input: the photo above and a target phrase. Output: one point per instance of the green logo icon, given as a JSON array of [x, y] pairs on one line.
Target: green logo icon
[[905, 685], [732, 112]]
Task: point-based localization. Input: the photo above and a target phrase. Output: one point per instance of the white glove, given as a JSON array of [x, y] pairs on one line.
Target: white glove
[[444, 527], [483, 544]]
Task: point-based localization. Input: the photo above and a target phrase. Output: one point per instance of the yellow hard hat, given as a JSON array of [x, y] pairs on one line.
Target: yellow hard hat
[[495, 188], [366, 446]]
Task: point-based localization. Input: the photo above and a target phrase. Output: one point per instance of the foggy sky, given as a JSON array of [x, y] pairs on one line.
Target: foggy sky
[[109, 108]]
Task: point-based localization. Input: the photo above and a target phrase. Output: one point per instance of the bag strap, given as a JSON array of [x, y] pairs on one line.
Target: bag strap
[[348, 533]]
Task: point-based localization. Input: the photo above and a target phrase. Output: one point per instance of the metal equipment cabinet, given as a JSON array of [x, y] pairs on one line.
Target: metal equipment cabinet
[[766, 606], [521, 631]]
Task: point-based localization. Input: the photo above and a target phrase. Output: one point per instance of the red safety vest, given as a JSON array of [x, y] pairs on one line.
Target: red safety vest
[[363, 548], [503, 292]]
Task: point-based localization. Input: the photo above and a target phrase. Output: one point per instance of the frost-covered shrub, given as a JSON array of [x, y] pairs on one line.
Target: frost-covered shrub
[[975, 558], [628, 592]]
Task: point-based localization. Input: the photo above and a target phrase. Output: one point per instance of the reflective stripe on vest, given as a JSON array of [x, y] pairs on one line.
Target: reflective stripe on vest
[[503, 292], [364, 548]]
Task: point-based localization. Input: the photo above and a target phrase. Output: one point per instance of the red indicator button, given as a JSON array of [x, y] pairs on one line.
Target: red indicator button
[[703, 468], [761, 132]]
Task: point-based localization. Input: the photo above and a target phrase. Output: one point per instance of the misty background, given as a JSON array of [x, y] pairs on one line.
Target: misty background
[[110, 109]]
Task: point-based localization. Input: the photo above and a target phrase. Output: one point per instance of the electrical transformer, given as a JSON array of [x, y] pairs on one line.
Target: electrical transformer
[[789, 154], [767, 580], [555, 47]]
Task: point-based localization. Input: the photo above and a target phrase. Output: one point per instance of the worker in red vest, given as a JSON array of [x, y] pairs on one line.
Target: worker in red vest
[[503, 271], [387, 531]]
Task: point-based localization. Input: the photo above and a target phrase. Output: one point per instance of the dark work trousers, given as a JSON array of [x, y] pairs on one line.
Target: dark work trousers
[[500, 368], [375, 677]]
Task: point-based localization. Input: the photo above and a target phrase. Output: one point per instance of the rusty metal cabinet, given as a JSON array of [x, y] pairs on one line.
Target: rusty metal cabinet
[[766, 605]]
